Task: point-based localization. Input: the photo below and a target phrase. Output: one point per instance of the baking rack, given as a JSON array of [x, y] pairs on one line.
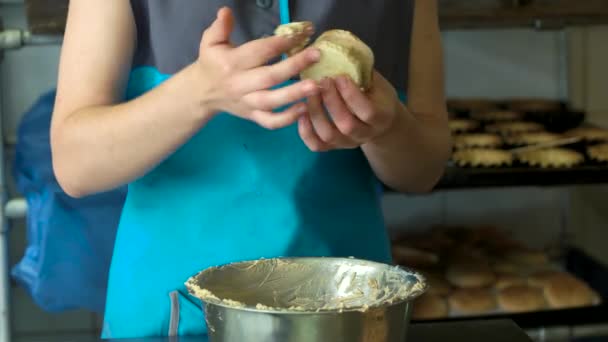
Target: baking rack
[[11, 208]]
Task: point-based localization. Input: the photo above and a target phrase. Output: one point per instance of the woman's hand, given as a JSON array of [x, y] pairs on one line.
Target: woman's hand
[[237, 80], [343, 117]]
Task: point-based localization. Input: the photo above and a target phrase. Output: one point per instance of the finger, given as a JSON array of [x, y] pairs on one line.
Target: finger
[[344, 120], [258, 52], [272, 99], [309, 136], [355, 99], [220, 30], [272, 75], [283, 119]]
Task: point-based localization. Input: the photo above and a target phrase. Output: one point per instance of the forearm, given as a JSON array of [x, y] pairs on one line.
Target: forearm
[[99, 148], [411, 156]]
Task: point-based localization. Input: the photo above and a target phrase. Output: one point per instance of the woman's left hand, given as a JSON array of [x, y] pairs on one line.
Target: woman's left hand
[[343, 117]]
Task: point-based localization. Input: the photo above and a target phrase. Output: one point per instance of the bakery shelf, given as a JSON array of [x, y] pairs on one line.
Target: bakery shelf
[[48, 17], [586, 268], [519, 176], [539, 14]]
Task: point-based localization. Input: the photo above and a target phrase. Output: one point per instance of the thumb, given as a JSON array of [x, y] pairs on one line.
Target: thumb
[[219, 32]]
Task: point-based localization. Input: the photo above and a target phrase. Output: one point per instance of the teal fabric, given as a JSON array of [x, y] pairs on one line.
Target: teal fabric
[[234, 192]]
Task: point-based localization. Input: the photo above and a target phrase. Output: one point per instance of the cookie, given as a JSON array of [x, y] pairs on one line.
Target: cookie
[[497, 115], [515, 127], [598, 152], [481, 140], [438, 285], [504, 281], [542, 279], [521, 298], [430, 306], [523, 139], [413, 257], [566, 291], [502, 266], [462, 125], [470, 275], [551, 158], [472, 301], [528, 258], [589, 134], [471, 104], [476, 157]]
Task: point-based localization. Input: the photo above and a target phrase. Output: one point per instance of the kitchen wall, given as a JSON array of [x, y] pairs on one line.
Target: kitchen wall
[[481, 63]]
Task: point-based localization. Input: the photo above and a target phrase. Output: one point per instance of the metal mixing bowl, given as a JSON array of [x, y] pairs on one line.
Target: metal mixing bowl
[[306, 300]]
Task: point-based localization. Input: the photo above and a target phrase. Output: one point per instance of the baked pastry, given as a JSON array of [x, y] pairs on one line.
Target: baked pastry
[[598, 152], [438, 285], [504, 281], [543, 278], [342, 53], [551, 158], [294, 29], [482, 140], [412, 257], [462, 125], [472, 301], [514, 127], [477, 157], [566, 291], [534, 105], [503, 266], [528, 258], [470, 275], [471, 104], [521, 298], [430, 306], [589, 134], [524, 139], [497, 115]]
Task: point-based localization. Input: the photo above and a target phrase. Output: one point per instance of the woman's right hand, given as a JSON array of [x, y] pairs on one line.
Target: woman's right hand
[[238, 80]]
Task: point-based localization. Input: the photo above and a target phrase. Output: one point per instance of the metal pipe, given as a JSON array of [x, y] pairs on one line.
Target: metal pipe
[[16, 39], [15, 208], [5, 318], [5, 287], [35, 39]]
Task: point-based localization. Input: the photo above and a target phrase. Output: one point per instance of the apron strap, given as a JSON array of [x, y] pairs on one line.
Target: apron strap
[[284, 11]]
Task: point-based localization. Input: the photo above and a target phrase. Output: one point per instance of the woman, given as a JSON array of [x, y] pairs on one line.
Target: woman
[[215, 174]]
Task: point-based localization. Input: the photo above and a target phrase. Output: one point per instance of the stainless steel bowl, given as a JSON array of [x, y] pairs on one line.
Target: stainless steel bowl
[[306, 300]]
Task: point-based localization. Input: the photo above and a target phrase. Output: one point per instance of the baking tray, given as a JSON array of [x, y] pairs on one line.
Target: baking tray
[[459, 177], [581, 265], [590, 172]]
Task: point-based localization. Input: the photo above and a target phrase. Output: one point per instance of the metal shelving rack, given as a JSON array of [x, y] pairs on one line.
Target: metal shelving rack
[[11, 208]]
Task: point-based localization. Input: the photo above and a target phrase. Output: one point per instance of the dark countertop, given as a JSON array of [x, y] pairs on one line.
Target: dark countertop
[[470, 331]]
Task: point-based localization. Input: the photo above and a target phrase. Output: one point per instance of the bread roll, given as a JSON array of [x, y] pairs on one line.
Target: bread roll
[[429, 306], [472, 301], [521, 298], [470, 275], [342, 53]]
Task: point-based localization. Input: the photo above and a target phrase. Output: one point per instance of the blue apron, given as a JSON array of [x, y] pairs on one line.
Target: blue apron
[[234, 192]]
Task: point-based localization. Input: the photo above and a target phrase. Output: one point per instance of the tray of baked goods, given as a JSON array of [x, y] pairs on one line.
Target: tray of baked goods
[[520, 142], [481, 272]]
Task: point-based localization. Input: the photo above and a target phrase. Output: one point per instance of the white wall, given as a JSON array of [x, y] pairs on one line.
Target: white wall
[[490, 63]]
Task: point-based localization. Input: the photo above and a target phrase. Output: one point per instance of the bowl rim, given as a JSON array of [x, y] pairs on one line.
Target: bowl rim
[[248, 308]]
